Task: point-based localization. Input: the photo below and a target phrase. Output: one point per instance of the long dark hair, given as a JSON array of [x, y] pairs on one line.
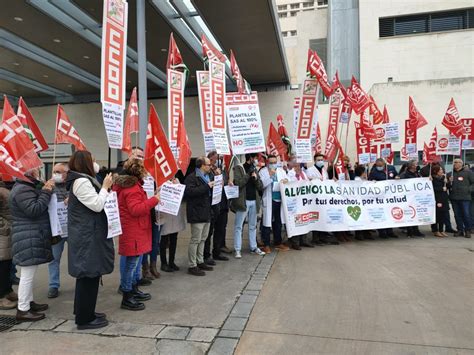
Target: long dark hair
[[81, 162]]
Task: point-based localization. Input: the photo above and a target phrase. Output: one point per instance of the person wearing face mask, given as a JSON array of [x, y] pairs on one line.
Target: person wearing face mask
[[442, 201], [318, 171], [247, 204], [31, 237], [411, 172], [59, 177]]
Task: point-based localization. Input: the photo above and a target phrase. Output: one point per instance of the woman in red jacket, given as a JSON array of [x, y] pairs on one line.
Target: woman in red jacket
[[135, 209]]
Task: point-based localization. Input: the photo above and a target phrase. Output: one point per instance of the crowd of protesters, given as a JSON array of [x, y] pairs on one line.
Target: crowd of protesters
[[26, 239]]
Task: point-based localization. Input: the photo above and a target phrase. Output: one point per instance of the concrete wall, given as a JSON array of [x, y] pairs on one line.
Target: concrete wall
[[430, 56]]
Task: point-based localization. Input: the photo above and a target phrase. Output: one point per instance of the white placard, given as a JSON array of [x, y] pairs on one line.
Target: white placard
[[217, 189], [53, 216], [171, 196], [231, 191], [392, 132], [448, 144], [111, 209], [62, 217], [149, 186]]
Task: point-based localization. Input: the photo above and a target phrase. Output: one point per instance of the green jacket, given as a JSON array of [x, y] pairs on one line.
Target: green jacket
[[241, 178]]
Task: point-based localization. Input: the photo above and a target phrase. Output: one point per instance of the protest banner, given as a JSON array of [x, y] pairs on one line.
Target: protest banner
[[62, 218], [231, 191], [217, 106], [448, 144], [356, 205], [171, 196], [204, 109], [149, 186], [111, 209], [176, 81], [113, 69], [468, 136], [56, 228], [308, 105], [217, 189], [245, 123]]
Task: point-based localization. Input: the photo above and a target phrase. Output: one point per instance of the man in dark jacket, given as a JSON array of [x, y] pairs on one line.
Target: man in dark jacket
[[412, 172], [198, 195], [461, 184]]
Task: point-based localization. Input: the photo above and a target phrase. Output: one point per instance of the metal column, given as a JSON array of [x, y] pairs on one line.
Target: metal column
[[142, 80]]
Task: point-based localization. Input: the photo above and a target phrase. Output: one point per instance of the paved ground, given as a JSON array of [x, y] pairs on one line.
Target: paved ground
[[383, 297]]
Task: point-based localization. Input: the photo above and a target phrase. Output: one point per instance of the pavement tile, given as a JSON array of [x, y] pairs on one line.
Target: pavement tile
[[223, 346], [70, 327], [181, 347], [46, 324], [235, 323], [134, 330], [242, 309], [171, 332], [202, 334], [230, 334]]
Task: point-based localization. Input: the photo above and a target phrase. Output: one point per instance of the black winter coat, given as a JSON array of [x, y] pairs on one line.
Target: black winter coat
[[198, 199], [90, 253], [441, 195], [31, 230]]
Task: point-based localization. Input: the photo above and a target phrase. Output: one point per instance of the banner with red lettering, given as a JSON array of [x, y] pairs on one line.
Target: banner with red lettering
[[245, 123], [308, 106], [8, 167], [218, 106], [468, 136], [113, 69], [15, 139], [448, 144], [377, 116], [176, 82], [210, 52], [332, 125], [65, 131], [184, 148], [367, 128], [357, 97], [315, 68], [28, 122], [159, 160], [205, 109], [429, 151], [243, 86], [451, 120], [275, 145], [131, 123], [416, 118], [366, 153], [411, 147], [296, 112], [340, 167], [318, 146]]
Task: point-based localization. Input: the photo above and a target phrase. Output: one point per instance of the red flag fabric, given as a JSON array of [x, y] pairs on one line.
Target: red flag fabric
[[429, 150], [184, 156], [237, 74], [340, 167], [357, 97], [15, 139], [8, 167], [174, 56], [367, 128], [210, 51], [415, 116], [131, 123], [452, 121], [386, 118], [281, 126], [318, 143], [159, 160], [332, 145], [65, 131], [275, 145], [28, 122], [315, 68], [337, 84], [377, 116]]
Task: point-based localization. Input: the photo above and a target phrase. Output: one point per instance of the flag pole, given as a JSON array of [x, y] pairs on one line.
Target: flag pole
[[55, 139], [347, 135]]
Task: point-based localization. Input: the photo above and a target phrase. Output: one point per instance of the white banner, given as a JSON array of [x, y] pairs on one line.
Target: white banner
[[176, 81], [113, 69], [245, 123], [357, 205], [392, 132], [231, 191], [62, 217], [217, 189], [171, 196], [204, 109], [149, 186], [447, 144], [111, 209], [56, 228], [217, 106]]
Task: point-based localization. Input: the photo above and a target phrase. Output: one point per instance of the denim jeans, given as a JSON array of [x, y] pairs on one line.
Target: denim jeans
[[239, 223], [128, 275], [462, 214], [155, 245], [137, 273], [55, 265]]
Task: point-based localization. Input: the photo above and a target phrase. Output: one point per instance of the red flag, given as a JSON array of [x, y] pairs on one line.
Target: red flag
[[228, 159], [377, 116], [131, 123], [357, 97], [315, 68], [65, 131], [281, 126], [8, 167], [318, 143], [275, 145], [210, 52], [15, 139], [429, 150], [240, 81], [451, 120], [159, 160], [332, 145], [184, 156], [410, 133], [174, 56], [339, 165], [416, 118], [386, 118], [26, 119], [367, 128]]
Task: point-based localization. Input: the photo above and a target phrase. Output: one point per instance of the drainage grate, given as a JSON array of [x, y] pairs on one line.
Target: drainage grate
[[6, 322]]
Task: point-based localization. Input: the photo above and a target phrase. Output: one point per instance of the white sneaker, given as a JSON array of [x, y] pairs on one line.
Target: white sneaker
[[238, 255], [258, 252]]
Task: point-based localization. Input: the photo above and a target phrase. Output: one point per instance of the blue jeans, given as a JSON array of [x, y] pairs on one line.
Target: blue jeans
[[137, 273], [128, 275], [55, 265], [239, 223], [462, 214], [155, 245]]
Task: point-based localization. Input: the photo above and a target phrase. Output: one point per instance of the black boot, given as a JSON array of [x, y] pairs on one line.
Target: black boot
[[139, 295], [131, 303]]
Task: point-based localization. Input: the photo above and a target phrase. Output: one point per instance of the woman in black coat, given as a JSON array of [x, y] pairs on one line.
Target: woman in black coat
[[442, 201], [31, 238]]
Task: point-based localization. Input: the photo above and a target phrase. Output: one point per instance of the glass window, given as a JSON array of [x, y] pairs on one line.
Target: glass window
[[293, 33], [281, 7], [411, 24], [293, 13], [295, 6], [283, 14], [448, 21]]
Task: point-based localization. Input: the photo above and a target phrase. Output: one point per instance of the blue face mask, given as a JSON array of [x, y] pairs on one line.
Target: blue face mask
[[272, 166], [319, 164], [379, 168]]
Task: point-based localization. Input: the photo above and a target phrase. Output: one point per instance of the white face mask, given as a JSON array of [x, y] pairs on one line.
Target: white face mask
[[255, 162], [58, 178], [319, 164], [96, 168]]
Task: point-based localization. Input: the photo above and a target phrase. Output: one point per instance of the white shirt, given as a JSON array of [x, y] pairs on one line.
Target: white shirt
[[86, 194]]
